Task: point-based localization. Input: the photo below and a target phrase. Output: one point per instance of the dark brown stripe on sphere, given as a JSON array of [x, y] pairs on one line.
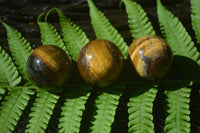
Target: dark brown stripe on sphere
[[48, 65], [100, 62], [151, 56]]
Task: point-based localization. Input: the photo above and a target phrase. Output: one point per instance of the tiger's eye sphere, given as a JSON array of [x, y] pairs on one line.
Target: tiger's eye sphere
[[48, 66], [151, 57], [100, 62]]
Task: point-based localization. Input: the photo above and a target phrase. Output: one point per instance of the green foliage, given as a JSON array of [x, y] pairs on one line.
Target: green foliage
[[20, 49], [8, 74], [183, 48], [41, 111], [104, 30], [106, 100], [50, 35], [2, 91], [195, 15], [12, 108], [139, 23], [106, 105], [73, 36], [140, 109], [73, 108], [178, 112]]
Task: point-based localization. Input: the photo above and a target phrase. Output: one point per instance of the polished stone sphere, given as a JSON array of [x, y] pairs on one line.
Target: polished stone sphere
[[100, 63], [151, 57], [48, 66]]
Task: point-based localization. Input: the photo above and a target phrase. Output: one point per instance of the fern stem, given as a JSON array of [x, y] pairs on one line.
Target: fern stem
[[73, 36], [195, 15], [139, 23], [49, 34], [41, 111], [12, 108], [20, 49], [8, 74], [106, 105], [104, 30], [17, 87], [178, 112], [140, 110], [72, 110], [139, 82], [186, 55]]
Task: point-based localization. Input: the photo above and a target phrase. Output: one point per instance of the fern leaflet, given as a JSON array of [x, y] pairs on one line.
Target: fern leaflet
[[8, 74], [106, 105], [2, 91], [139, 23], [104, 30], [178, 112], [196, 18], [72, 110], [20, 49], [140, 110], [73, 36], [186, 55], [12, 108], [50, 35], [41, 111]]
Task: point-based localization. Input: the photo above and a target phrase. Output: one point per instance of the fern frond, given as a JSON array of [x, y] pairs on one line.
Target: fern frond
[[50, 35], [19, 48], [72, 110], [140, 110], [2, 91], [8, 74], [178, 112], [106, 105], [139, 23], [186, 55], [195, 16], [73, 36], [12, 108], [41, 111], [104, 30]]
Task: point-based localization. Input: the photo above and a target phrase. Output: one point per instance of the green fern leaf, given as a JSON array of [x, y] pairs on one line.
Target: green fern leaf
[[2, 91], [41, 111], [196, 18], [140, 110], [72, 110], [186, 55], [73, 36], [20, 49], [139, 23], [12, 108], [106, 105], [50, 35], [8, 74], [178, 112], [104, 30]]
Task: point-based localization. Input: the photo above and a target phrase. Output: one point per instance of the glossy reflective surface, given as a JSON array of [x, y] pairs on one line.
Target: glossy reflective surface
[[151, 56], [48, 66], [100, 62]]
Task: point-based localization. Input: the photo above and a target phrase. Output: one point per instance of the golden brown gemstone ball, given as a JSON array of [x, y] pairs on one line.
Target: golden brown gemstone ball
[[151, 57], [100, 62], [48, 66]]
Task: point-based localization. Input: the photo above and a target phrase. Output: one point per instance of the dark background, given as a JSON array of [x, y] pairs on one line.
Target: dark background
[[22, 15]]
